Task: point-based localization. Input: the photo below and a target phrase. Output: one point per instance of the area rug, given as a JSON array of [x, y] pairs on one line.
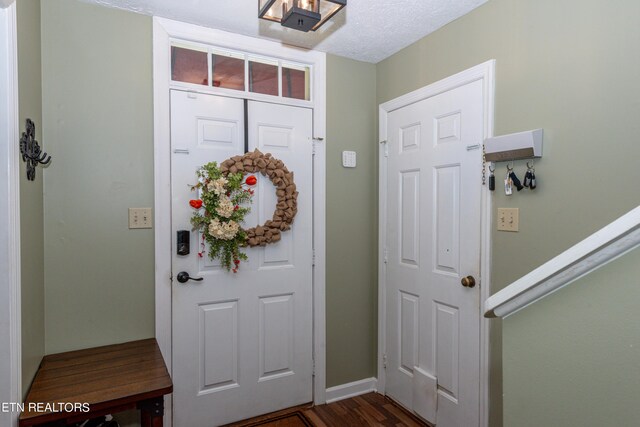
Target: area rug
[[293, 419]]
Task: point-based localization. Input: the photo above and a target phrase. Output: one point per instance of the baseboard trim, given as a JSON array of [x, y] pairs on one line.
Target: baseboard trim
[[353, 389]]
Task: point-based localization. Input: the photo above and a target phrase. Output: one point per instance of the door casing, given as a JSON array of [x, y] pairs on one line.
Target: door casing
[[165, 30], [10, 306], [486, 73]]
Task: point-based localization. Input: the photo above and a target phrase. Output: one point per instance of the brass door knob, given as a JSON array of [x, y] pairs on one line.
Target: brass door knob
[[468, 282]]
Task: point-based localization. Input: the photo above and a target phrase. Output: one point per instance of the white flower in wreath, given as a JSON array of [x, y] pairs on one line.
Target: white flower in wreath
[[223, 230], [225, 207], [217, 185]]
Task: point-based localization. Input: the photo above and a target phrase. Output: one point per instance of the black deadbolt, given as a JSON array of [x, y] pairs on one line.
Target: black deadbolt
[[183, 242]]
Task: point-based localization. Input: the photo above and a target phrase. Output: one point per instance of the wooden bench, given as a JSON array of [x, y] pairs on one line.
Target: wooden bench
[[109, 379]]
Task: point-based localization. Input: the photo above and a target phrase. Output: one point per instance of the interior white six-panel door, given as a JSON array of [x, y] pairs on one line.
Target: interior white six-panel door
[[433, 240], [242, 343]]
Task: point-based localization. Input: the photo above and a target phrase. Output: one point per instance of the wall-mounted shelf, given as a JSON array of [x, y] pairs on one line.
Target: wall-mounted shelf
[[515, 146]]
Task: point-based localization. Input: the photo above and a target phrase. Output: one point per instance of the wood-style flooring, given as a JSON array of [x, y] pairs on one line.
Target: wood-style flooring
[[371, 409]]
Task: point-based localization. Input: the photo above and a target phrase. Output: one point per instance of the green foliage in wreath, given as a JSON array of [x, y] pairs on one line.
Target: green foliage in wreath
[[219, 213]]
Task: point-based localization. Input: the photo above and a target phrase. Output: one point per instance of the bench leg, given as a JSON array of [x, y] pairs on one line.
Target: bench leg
[[151, 412]]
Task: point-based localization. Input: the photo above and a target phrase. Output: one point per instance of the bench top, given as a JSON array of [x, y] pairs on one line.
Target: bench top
[[106, 377]]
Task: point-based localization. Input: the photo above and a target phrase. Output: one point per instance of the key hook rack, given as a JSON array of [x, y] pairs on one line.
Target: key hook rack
[[31, 152], [515, 146]]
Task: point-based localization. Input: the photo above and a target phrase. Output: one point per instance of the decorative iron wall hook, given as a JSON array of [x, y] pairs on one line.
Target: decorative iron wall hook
[[31, 152]]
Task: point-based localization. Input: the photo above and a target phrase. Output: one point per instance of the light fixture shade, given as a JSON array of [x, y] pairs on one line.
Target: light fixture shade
[[328, 8], [303, 15], [270, 10]]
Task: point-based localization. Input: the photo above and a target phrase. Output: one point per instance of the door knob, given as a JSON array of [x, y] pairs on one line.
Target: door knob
[[467, 282], [183, 277]]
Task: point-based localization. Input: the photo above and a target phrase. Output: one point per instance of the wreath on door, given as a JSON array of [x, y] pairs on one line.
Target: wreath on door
[[219, 211]]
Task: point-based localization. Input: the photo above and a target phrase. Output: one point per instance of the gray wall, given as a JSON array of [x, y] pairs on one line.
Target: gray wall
[[573, 359], [351, 227], [31, 202], [570, 67], [98, 118]]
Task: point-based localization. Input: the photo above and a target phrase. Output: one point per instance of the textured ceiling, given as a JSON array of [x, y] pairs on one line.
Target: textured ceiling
[[366, 30]]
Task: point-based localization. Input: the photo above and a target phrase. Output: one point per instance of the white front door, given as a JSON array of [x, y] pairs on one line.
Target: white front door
[[242, 343], [433, 241]]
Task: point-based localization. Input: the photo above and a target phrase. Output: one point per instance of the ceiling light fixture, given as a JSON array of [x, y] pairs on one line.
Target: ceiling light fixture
[[303, 15]]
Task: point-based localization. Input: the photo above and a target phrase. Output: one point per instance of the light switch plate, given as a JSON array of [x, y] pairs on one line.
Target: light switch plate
[[140, 218], [508, 219], [349, 159]]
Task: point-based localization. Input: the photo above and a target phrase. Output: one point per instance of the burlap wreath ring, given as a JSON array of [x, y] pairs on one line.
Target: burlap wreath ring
[[287, 205]]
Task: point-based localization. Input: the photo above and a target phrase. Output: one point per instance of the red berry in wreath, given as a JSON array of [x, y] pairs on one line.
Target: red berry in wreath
[[251, 180], [196, 204]]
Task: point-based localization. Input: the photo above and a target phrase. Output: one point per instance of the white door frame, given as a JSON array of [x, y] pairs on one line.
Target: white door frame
[[486, 73], [10, 324], [165, 30]]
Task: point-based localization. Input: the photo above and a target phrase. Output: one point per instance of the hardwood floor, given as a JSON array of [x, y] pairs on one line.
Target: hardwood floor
[[370, 409]]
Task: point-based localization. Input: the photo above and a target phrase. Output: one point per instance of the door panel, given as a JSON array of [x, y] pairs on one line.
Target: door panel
[[433, 240], [219, 338], [446, 229], [276, 336], [409, 319], [241, 342], [409, 218], [446, 326]]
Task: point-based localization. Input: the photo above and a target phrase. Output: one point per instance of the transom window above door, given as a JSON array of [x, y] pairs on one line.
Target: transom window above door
[[239, 71]]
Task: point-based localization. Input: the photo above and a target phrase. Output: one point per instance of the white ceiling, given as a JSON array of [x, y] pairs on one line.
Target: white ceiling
[[366, 30]]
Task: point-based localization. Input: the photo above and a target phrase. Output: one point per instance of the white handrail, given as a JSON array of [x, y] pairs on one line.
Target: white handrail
[[602, 247]]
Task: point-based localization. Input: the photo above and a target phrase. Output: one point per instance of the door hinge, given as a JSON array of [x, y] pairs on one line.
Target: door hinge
[[313, 367], [385, 255], [386, 148], [313, 258], [384, 361], [315, 142]]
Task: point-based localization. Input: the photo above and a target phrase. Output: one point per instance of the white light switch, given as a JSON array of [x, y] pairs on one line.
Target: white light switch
[[349, 159], [140, 218], [508, 219]]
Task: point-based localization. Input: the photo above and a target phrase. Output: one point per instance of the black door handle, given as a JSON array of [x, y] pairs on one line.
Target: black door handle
[[183, 277]]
